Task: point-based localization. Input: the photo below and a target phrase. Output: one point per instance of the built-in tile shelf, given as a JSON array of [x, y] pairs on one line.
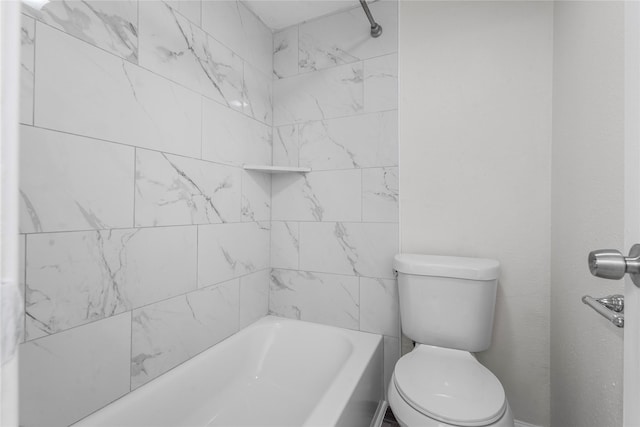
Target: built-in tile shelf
[[276, 169]]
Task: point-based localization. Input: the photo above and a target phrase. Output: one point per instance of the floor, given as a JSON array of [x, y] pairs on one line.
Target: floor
[[389, 419]]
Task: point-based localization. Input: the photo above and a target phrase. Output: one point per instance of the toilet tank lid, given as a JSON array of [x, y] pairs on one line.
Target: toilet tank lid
[[447, 266]]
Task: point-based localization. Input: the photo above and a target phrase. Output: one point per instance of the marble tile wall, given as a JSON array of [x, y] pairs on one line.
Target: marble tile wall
[[143, 241], [334, 230]]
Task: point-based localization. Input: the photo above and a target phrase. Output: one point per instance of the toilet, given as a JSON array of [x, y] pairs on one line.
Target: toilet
[[446, 307]]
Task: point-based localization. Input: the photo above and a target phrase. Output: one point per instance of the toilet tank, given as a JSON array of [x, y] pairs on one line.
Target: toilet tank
[[447, 301]]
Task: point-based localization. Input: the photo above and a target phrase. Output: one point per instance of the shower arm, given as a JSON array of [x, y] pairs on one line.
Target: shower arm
[[376, 29]]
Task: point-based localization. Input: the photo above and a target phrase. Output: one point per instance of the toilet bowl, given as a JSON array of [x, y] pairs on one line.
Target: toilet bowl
[[446, 307], [433, 386]]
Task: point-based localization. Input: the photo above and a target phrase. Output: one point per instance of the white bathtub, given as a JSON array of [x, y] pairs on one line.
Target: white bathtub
[[276, 372]]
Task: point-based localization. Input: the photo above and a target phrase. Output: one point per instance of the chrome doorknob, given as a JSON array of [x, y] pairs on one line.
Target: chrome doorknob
[[608, 264], [611, 264]]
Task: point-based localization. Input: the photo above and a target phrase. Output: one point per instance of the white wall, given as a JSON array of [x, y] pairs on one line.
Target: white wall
[[475, 150], [587, 209]]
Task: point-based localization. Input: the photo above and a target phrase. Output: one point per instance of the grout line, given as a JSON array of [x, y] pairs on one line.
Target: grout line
[[258, 222]]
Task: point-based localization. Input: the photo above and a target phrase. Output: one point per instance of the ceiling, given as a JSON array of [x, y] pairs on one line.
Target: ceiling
[[278, 14]]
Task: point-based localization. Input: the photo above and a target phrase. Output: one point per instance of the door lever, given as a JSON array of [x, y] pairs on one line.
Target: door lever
[[610, 307], [611, 264], [613, 302]]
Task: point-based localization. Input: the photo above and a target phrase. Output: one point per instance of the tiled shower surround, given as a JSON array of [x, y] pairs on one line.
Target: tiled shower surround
[[334, 231], [144, 242]]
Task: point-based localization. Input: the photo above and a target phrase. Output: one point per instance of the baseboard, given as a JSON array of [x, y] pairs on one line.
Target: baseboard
[[523, 424]]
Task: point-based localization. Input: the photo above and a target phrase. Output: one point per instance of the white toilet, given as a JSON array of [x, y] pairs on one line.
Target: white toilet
[[446, 307]]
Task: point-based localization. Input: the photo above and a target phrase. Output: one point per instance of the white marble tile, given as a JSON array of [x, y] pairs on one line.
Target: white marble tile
[[391, 355], [256, 196], [12, 305], [27, 64], [285, 244], [285, 146], [223, 20], [69, 375], [381, 83], [168, 333], [176, 48], [227, 251], [174, 190], [12, 318], [69, 182], [233, 138], [224, 133], [380, 194], [317, 196], [94, 93], [345, 37], [259, 42], [325, 94], [190, 9], [257, 95], [258, 149], [379, 310], [109, 25], [361, 249], [79, 277], [285, 53], [254, 296], [315, 297], [351, 142]]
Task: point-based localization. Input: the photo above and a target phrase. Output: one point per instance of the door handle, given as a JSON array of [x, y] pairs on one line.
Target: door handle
[[611, 264], [610, 307]]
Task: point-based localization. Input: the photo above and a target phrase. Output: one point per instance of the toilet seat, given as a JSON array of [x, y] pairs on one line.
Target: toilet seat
[[450, 386]]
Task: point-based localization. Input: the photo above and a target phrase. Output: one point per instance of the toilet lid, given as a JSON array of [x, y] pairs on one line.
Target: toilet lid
[[449, 386]]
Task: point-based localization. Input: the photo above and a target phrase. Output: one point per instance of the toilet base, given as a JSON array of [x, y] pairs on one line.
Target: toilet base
[[407, 416]]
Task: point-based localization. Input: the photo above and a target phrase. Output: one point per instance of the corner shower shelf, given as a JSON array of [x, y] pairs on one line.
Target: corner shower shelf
[[276, 169]]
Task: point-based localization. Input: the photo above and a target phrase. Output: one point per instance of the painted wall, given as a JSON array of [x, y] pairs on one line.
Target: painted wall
[[587, 209], [143, 240], [475, 165], [335, 230]]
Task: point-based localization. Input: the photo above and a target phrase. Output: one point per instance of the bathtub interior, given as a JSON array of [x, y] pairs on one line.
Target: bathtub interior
[[276, 372]]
